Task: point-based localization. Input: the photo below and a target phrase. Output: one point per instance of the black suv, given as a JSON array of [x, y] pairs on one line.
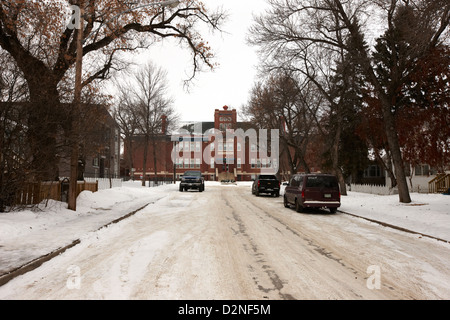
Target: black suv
[[313, 191], [192, 180]]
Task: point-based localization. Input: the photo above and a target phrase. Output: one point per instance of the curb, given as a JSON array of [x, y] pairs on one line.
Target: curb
[[385, 224], [36, 263]]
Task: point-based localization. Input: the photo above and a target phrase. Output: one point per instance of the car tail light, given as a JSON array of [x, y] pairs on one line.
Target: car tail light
[[259, 182], [303, 194]]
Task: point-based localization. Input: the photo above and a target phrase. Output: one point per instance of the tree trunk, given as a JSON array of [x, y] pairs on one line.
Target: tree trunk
[[43, 126], [335, 154], [394, 146]]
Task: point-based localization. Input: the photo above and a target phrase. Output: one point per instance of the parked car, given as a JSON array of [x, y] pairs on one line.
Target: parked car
[[266, 183], [313, 191], [192, 180]]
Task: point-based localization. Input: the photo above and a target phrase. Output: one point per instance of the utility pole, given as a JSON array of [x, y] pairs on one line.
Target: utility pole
[[74, 141]]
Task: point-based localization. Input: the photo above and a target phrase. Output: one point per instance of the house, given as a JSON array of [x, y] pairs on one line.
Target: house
[[426, 179], [99, 147]]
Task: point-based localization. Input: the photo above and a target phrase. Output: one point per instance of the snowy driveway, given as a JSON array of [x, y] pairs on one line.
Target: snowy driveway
[[225, 243]]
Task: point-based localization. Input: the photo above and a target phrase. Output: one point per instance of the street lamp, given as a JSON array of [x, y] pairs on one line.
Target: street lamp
[[78, 87]]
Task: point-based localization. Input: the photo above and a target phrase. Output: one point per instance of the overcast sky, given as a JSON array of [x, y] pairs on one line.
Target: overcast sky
[[232, 80]]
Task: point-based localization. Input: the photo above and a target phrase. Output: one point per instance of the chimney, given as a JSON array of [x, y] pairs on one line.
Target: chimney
[[163, 124]]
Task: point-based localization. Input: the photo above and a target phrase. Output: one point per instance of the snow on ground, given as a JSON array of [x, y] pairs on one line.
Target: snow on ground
[[27, 235], [428, 214]]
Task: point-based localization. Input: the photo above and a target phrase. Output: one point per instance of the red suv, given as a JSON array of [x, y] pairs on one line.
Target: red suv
[[313, 191]]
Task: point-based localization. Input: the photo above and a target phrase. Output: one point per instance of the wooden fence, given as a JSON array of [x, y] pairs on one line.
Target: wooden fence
[[36, 192]]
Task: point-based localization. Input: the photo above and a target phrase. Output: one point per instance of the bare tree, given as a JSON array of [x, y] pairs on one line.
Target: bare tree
[[283, 103], [146, 97], [127, 121]]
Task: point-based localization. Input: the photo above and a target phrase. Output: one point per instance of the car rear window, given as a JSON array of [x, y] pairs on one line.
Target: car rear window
[[192, 173], [321, 182], [267, 177]]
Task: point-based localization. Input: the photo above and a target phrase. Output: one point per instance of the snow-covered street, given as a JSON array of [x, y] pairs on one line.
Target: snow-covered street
[[226, 243]]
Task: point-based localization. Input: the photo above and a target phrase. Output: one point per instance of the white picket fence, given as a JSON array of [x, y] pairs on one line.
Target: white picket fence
[[105, 183], [373, 189]]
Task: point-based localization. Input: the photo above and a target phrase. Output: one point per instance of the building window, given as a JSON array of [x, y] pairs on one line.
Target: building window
[[422, 170], [253, 147], [238, 146], [186, 163], [212, 163], [197, 146], [197, 163], [373, 171], [192, 163], [238, 163], [253, 162]]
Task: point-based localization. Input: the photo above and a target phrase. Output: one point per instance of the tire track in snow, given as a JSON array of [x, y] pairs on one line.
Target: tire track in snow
[[252, 248]]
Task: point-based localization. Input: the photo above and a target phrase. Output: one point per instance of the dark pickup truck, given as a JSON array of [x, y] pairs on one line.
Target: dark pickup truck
[[192, 180], [266, 183]]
